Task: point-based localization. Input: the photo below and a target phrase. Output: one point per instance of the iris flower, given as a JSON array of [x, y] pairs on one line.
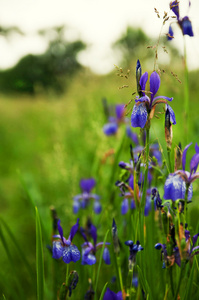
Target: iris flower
[[64, 247], [133, 249], [184, 23], [177, 183], [145, 105], [89, 250], [112, 126], [82, 200]]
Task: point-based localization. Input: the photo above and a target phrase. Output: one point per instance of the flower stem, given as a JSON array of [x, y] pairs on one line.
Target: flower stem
[[146, 172], [186, 95]]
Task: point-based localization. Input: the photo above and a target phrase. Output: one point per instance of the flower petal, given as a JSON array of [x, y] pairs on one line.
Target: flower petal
[[74, 230], [186, 26], [194, 162], [154, 84], [110, 128], [87, 184], [119, 110], [71, 253], [139, 115], [184, 154], [143, 81], [173, 188], [57, 250], [170, 34], [106, 256], [60, 229], [174, 6], [172, 114], [124, 206]]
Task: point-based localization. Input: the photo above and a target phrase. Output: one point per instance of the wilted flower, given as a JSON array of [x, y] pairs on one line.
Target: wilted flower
[[144, 108], [64, 247], [179, 254], [82, 200]]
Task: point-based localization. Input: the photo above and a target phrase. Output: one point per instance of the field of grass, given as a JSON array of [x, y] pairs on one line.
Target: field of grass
[[47, 144]]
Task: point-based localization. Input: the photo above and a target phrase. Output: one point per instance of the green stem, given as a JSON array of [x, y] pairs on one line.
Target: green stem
[[129, 283], [186, 94], [179, 281], [143, 201], [171, 280]]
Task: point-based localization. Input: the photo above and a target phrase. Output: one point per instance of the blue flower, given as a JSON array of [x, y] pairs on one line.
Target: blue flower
[[82, 200], [64, 247], [184, 23], [144, 108], [176, 183], [110, 295], [111, 127], [89, 250], [133, 249], [177, 255]]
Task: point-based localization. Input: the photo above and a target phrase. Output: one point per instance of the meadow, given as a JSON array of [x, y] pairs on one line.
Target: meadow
[[48, 144]]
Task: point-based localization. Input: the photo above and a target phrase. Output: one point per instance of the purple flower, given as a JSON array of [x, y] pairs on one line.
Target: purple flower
[[169, 260], [186, 253], [82, 200], [145, 105], [176, 183], [64, 247], [112, 126], [133, 249], [175, 188], [184, 23], [110, 295], [170, 34], [156, 198], [89, 250]]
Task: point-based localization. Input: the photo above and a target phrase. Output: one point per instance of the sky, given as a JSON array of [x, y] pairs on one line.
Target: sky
[[99, 23]]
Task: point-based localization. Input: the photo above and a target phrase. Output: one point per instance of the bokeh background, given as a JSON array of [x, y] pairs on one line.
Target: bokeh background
[[59, 60]]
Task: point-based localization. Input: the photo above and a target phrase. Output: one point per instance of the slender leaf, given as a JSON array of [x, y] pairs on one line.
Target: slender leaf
[[16, 244], [100, 263], [103, 291], [190, 283], [39, 258]]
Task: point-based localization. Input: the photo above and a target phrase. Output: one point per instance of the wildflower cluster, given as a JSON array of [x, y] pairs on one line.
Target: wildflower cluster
[[152, 193]]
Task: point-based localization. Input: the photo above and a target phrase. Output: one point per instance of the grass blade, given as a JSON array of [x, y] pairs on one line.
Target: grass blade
[[100, 262], [20, 251], [103, 291], [39, 258]]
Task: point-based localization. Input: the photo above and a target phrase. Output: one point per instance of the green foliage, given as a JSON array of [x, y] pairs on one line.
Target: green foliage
[[50, 71]]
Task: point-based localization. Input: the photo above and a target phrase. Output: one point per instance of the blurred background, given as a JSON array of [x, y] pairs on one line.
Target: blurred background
[[58, 60]]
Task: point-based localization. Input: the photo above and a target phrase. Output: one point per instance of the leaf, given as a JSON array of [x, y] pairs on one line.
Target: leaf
[[103, 291], [39, 258], [100, 262]]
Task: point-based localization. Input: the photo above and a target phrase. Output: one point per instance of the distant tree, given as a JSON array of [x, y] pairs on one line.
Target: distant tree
[[49, 71], [132, 42]]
